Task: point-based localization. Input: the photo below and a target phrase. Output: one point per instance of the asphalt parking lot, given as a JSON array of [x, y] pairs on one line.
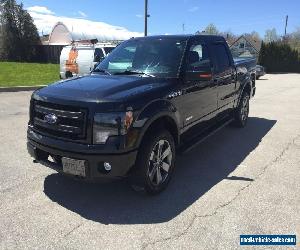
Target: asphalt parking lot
[[239, 181]]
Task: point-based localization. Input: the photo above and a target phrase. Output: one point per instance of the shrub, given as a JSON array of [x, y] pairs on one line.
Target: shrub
[[279, 57]]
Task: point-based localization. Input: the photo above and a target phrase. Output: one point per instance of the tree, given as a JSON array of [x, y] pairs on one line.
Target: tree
[[279, 57], [255, 36], [271, 36], [19, 33], [228, 35], [211, 29], [294, 39]]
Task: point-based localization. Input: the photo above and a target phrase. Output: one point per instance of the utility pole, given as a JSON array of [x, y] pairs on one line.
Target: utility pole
[[146, 17], [183, 28], [286, 23]]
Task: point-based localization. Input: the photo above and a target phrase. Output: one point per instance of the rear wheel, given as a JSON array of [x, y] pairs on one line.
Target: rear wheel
[[242, 111], [155, 163]]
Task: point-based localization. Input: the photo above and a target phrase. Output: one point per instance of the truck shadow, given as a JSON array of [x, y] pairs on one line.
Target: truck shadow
[[196, 173]]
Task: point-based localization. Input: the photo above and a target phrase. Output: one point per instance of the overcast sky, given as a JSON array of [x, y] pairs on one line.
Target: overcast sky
[[168, 16]]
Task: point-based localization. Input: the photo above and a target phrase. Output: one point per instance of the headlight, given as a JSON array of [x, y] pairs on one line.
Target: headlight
[[110, 124]]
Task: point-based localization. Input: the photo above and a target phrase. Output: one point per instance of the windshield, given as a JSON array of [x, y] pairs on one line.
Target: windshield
[[155, 57]]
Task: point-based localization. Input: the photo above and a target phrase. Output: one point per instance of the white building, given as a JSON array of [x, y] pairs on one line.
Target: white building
[[63, 33]]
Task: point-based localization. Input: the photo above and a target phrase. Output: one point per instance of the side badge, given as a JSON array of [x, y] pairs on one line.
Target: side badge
[[175, 94], [189, 118]]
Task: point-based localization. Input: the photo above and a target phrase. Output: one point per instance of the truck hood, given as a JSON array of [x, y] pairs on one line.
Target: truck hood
[[103, 88]]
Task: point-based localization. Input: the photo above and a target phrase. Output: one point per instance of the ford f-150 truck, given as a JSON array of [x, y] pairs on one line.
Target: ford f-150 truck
[[151, 98]]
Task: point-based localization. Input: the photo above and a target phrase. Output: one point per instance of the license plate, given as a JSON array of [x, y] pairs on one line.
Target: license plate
[[73, 167]]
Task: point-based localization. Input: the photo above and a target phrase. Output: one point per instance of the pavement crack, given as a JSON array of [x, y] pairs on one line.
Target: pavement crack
[[72, 230], [69, 233], [172, 237], [220, 207]]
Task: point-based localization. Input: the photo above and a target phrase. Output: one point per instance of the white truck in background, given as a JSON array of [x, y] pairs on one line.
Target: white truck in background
[[79, 58]]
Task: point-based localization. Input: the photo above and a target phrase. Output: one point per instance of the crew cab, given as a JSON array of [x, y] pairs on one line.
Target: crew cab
[[148, 100]]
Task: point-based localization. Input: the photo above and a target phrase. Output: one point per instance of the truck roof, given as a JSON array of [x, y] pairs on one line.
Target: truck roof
[[204, 37]]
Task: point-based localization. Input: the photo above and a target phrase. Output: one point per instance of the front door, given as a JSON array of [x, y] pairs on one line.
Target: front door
[[199, 94]]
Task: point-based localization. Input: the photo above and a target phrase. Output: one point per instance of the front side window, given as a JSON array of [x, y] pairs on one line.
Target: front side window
[[198, 58], [158, 56]]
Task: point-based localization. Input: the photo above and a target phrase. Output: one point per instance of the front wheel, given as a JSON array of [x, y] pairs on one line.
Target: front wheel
[[242, 111], [155, 163]]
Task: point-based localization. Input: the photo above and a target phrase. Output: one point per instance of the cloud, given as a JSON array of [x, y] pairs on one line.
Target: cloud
[[40, 9], [139, 15], [82, 14], [81, 27], [194, 9]]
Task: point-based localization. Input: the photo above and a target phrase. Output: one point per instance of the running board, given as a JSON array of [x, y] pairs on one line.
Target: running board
[[188, 146]]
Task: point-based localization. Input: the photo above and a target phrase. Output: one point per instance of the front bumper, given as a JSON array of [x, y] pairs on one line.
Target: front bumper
[[41, 147]]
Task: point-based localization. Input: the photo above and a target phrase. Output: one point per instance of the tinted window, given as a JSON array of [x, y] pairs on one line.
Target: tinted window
[[108, 49], [221, 58], [98, 55], [198, 58]]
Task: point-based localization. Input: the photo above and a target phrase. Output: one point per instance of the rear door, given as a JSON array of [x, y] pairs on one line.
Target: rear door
[[85, 60], [224, 75]]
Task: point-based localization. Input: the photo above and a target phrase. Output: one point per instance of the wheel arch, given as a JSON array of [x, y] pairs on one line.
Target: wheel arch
[[158, 115], [245, 88]]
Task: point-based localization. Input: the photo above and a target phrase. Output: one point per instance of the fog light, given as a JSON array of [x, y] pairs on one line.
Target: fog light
[[107, 166]]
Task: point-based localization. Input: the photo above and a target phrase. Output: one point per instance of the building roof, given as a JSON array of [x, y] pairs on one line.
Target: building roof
[[256, 44], [64, 33]]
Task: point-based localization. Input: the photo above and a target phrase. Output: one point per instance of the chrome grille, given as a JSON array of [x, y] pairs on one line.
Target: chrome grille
[[70, 123]]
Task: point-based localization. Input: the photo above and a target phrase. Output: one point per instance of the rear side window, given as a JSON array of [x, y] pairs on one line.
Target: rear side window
[[98, 55], [221, 58]]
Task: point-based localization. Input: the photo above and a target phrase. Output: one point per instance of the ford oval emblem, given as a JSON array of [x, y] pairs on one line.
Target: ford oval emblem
[[50, 118]]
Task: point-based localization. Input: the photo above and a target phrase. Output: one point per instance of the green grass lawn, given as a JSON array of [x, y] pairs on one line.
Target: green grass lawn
[[27, 74]]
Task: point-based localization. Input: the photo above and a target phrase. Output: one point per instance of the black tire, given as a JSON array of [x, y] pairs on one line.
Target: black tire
[[148, 167], [257, 77], [242, 111], [69, 74]]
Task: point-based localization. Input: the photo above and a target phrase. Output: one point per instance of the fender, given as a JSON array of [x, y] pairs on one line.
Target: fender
[[247, 83], [151, 113]]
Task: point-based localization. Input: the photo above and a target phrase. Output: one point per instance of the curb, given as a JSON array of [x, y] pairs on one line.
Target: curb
[[21, 88]]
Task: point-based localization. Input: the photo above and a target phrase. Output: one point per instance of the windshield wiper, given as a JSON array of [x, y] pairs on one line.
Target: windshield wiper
[[101, 71], [132, 72]]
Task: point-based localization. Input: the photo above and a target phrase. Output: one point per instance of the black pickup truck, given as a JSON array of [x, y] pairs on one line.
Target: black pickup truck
[[150, 99]]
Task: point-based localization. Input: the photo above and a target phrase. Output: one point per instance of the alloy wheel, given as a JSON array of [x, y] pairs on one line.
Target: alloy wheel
[[245, 108], [160, 162]]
